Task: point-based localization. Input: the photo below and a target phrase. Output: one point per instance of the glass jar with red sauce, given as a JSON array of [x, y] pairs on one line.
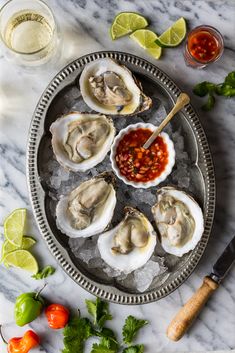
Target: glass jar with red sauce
[[204, 45]]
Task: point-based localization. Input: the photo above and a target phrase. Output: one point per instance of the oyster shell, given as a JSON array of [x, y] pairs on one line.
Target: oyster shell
[[88, 209], [130, 244], [179, 220], [81, 140], [110, 88]]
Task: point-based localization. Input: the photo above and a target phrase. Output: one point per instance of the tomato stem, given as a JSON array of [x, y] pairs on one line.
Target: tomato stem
[[40, 290], [1, 335]]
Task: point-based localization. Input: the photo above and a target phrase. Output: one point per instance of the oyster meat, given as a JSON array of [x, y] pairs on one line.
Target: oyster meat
[[89, 208], [81, 140], [110, 88], [179, 220], [130, 244]]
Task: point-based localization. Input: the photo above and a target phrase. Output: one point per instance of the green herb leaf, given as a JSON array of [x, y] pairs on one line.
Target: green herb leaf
[[131, 327], [99, 348], [108, 336], [45, 272], [209, 104], [230, 79], [139, 348], [99, 310], [76, 332], [225, 90], [203, 88], [108, 341]]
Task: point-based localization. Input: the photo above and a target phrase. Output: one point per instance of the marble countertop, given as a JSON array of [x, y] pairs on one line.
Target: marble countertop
[[84, 28]]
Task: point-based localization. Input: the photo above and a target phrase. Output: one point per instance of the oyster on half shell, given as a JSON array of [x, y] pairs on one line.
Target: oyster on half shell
[[88, 209], [179, 220], [81, 140], [130, 244], [110, 88]]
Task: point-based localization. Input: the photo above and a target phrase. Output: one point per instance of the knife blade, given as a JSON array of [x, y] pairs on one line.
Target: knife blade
[[187, 314], [224, 262]]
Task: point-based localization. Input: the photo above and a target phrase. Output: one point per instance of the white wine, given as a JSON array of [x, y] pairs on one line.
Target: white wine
[[28, 32]]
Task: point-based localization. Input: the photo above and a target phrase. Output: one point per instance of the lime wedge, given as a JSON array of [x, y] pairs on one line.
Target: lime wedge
[[146, 39], [174, 35], [125, 23], [27, 243], [22, 259], [14, 226]]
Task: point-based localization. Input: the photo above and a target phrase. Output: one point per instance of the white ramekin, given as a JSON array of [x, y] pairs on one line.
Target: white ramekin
[[166, 171]]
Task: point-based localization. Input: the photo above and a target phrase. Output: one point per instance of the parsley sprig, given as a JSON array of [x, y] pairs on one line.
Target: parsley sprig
[[80, 329], [131, 327], [99, 310], [226, 89], [76, 332]]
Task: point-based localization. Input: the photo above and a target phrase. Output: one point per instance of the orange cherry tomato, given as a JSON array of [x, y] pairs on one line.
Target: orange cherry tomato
[[57, 316]]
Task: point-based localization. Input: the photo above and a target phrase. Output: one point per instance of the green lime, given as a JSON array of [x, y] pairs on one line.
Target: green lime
[[27, 243], [22, 259], [174, 35], [146, 39], [14, 226], [125, 23]]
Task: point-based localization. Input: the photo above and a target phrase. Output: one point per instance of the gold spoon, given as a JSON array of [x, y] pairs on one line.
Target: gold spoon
[[182, 100]]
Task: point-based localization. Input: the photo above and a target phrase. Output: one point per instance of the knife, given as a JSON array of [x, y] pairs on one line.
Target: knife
[[184, 318]]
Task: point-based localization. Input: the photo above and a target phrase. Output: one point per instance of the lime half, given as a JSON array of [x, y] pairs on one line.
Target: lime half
[[27, 243], [174, 35], [125, 23], [146, 39], [14, 226], [22, 259]]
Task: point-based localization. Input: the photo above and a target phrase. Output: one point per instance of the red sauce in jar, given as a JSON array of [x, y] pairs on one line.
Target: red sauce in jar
[[138, 164], [203, 46]]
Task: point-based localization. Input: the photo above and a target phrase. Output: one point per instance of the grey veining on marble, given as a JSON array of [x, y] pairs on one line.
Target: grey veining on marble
[[84, 26]]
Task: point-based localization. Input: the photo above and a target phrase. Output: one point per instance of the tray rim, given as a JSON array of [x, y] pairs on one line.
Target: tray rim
[[36, 192]]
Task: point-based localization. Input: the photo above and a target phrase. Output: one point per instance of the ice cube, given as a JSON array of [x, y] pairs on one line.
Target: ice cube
[[144, 276]]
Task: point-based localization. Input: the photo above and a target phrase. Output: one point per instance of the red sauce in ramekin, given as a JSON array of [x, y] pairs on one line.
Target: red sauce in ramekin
[[138, 164]]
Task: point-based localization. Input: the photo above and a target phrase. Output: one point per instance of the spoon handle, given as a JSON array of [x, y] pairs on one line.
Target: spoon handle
[[182, 100]]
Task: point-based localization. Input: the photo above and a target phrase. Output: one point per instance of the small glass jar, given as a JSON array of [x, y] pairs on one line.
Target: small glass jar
[[204, 45], [29, 31]]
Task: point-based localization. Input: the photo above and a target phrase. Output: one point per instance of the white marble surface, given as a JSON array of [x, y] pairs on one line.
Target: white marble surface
[[84, 26]]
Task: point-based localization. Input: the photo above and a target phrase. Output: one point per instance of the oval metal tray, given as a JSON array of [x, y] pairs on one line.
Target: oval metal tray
[[53, 103]]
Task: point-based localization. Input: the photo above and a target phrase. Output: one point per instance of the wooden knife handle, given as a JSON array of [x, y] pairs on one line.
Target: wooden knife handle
[[190, 310]]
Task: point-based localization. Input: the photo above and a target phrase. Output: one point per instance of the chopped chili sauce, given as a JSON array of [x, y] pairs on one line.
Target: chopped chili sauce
[[203, 46], [138, 164]]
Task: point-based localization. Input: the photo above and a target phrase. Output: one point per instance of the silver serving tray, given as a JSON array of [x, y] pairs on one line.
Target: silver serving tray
[[49, 107]]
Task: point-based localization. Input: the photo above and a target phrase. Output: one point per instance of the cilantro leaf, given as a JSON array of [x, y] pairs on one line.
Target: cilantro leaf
[[99, 348], [203, 88], [131, 327], [108, 341], [209, 104], [99, 310], [230, 79], [225, 90], [139, 348], [45, 272], [76, 332]]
